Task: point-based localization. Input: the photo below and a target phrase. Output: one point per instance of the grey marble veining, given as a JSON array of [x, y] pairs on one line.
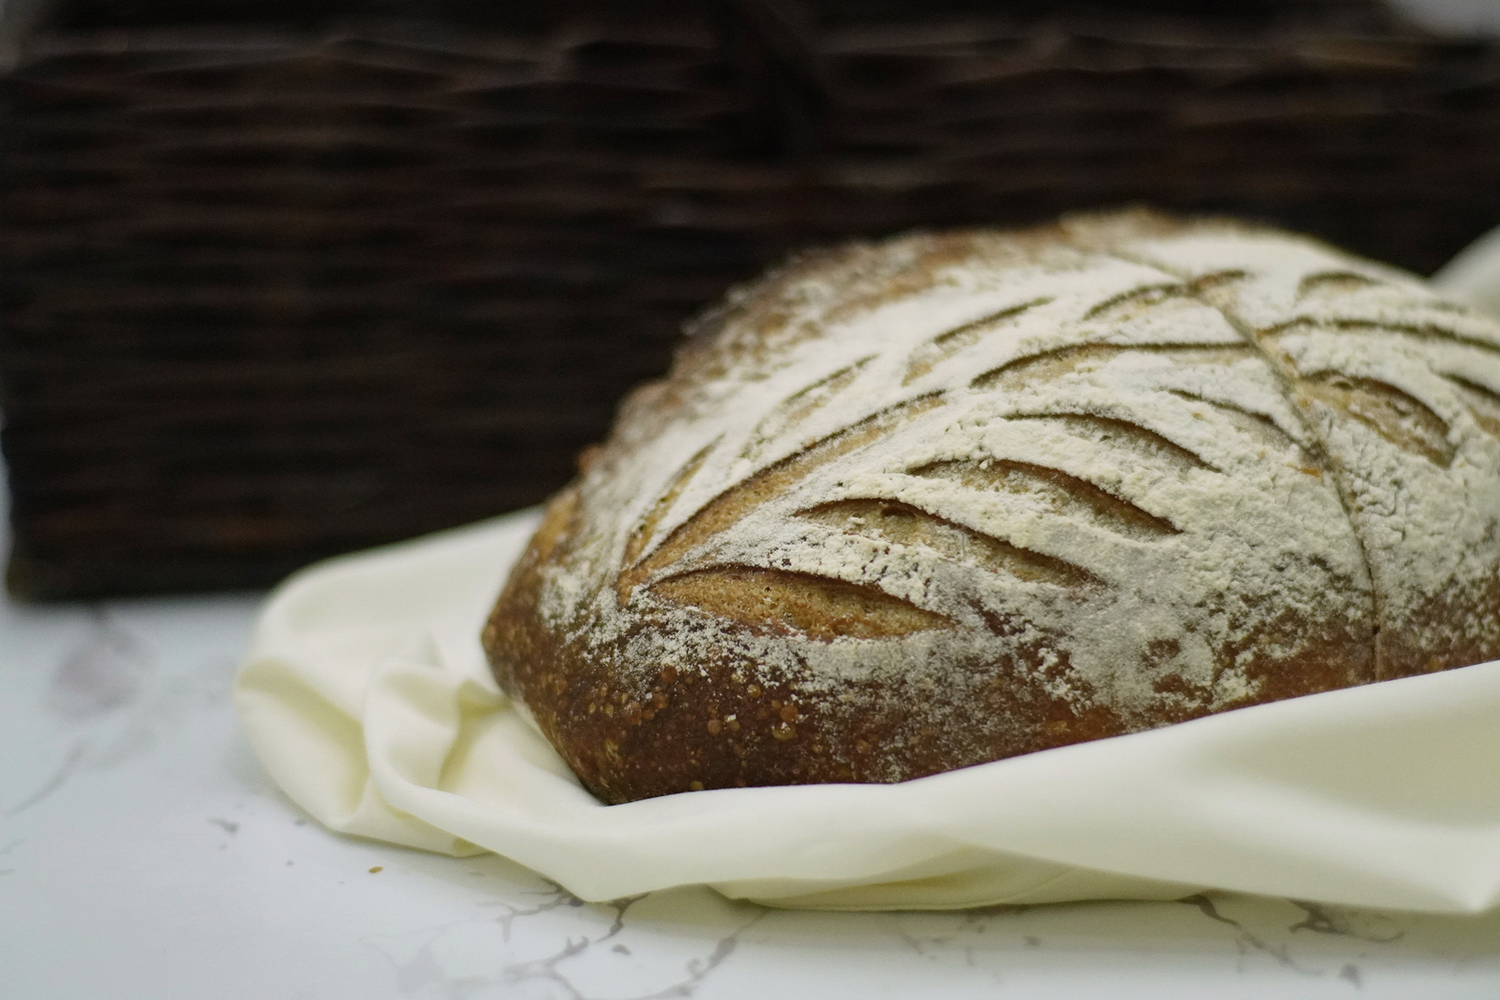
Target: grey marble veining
[[144, 854]]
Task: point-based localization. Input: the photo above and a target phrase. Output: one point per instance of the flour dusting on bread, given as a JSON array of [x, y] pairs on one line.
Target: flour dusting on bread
[[911, 505]]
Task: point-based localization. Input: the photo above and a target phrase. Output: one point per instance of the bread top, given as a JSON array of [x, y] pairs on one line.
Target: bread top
[[1155, 460]]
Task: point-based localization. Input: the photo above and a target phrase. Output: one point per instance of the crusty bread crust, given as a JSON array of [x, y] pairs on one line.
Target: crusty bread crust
[[909, 506]]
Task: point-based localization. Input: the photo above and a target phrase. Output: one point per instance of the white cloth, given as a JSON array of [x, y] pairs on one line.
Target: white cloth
[[367, 696], [1473, 275]]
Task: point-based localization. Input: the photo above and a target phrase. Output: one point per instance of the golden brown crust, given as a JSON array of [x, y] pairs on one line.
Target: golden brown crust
[[1102, 480], [730, 725]]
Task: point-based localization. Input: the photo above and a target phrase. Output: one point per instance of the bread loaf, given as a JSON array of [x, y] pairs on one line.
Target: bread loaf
[[908, 506]]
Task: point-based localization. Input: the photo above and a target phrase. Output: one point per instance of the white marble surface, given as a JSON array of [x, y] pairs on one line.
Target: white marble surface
[[144, 854]]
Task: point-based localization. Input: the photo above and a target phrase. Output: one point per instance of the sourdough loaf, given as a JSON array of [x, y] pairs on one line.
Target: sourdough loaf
[[908, 506]]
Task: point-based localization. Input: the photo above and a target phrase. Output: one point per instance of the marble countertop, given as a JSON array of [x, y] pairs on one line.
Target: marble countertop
[[144, 854]]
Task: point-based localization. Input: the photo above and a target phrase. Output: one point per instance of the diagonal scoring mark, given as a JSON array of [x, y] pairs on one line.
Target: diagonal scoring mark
[[797, 408], [733, 504], [1483, 403], [773, 601], [1030, 369], [945, 345], [1114, 432], [1421, 331], [1258, 426], [904, 524], [647, 526], [1400, 418], [1146, 298], [1333, 283], [1141, 298], [1057, 490]]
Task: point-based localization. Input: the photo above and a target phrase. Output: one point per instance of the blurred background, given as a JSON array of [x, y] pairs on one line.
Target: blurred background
[[286, 278]]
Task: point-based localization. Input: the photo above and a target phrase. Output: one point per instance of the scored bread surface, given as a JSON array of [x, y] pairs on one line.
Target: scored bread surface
[[913, 505]]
